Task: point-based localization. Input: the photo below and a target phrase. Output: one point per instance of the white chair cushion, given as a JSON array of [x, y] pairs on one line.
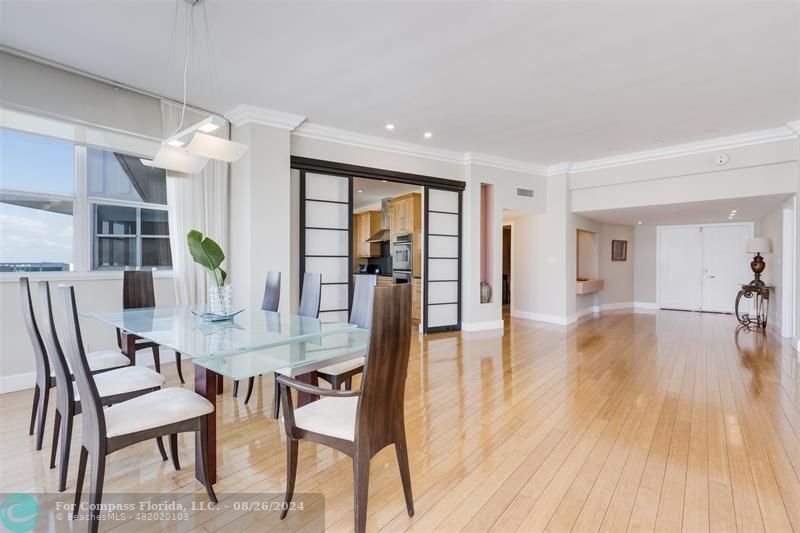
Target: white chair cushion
[[346, 366], [335, 417], [105, 359], [154, 409], [122, 380]]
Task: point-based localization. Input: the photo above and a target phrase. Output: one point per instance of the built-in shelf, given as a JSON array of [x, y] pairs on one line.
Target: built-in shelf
[[588, 286]]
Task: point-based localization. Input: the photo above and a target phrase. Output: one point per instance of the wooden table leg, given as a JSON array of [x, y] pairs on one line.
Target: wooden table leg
[[304, 398], [219, 384], [205, 384], [129, 347]]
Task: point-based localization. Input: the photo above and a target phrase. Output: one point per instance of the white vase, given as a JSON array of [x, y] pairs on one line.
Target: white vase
[[219, 299]]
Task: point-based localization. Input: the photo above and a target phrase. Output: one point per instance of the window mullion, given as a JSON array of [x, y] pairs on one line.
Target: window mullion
[[81, 217]]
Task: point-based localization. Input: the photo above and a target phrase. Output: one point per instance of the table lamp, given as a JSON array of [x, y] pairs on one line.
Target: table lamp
[[757, 265]]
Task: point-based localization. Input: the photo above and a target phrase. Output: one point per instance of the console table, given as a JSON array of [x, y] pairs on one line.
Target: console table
[[758, 293]]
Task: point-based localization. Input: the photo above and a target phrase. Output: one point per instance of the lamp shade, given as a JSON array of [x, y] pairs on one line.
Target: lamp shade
[[758, 245]]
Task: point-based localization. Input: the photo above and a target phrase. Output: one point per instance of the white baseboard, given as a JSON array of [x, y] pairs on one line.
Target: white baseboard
[[16, 382], [482, 326], [539, 317], [27, 380], [638, 307]]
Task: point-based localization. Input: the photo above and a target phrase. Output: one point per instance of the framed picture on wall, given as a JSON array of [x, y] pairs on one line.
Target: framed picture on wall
[[619, 250]]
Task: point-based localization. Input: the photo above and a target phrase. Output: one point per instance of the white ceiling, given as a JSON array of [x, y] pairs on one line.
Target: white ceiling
[[373, 191], [710, 212], [543, 82]]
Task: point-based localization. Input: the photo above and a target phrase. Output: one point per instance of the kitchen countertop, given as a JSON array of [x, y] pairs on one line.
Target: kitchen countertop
[[382, 274]]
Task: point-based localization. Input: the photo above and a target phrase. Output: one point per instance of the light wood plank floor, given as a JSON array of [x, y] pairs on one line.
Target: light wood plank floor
[[633, 422]]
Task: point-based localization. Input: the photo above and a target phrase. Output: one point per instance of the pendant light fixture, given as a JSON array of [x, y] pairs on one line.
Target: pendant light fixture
[[188, 150]]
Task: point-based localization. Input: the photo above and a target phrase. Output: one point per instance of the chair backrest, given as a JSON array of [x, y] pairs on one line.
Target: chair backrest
[[94, 421], [272, 292], [50, 336], [137, 289], [361, 312], [310, 295], [39, 350], [380, 405]]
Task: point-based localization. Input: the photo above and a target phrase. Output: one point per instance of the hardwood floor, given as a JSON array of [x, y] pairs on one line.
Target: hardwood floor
[[633, 422]]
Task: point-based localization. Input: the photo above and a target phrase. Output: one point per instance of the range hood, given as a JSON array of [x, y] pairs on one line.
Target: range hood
[[382, 235]]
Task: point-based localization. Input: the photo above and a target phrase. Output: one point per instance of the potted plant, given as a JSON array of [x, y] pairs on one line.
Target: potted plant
[[208, 254]]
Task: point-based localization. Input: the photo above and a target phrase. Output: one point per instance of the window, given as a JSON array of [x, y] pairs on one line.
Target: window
[[37, 198], [123, 207], [125, 232]]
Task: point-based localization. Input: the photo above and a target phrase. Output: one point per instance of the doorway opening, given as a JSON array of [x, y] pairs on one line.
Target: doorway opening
[[506, 283]]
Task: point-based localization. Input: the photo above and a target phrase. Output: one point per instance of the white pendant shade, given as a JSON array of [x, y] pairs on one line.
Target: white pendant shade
[[211, 147], [177, 160], [758, 245]]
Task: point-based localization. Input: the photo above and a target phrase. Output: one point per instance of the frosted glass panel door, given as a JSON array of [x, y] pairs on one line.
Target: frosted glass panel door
[[442, 295], [326, 239]]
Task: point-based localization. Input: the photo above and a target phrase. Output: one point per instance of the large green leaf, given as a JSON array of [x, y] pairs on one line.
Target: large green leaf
[[208, 254]]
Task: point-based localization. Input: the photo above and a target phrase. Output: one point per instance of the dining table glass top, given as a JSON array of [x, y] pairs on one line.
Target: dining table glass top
[[180, 329]]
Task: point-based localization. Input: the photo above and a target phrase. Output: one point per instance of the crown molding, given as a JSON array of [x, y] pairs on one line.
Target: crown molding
[[250, 114], [477, 158], [720, 143], [311, 130]]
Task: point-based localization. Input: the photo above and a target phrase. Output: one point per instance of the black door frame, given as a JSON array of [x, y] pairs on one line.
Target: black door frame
[[306, 164]]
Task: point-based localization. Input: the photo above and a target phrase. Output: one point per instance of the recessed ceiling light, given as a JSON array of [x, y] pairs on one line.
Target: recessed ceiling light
[[390, 127], [638, 221], [733, 211], [208, 128], [384, 181], [428, 135], [359, 190]]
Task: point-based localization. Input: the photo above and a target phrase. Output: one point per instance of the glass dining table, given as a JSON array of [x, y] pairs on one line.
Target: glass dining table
[[255, 342]]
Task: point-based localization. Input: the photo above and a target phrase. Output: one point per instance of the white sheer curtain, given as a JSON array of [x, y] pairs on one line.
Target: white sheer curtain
[[198, 202]]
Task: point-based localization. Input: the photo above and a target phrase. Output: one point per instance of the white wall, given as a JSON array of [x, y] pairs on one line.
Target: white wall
[[476, 315], [617, 275], [644, 264], [261, 216], [94, 292], [771, 227]]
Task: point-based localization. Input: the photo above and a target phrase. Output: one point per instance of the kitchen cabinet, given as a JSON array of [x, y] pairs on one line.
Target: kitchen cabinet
[[385, 281], [405, 214], [364, 226]]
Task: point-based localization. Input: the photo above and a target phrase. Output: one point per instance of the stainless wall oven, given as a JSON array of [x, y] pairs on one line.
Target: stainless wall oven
[[402, 251]]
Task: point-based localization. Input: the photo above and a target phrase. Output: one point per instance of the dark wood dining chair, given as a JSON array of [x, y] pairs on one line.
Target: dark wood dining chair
[[360, 423], [310, 300], [272, 298], [99, 361], [138, 292], [155, 414], [114, 386], [360, 314]]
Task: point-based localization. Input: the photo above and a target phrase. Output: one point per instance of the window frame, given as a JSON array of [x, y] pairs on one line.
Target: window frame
[[83, 137]]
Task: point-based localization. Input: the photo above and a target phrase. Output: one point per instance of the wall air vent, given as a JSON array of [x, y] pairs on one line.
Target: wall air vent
[[527, 193]]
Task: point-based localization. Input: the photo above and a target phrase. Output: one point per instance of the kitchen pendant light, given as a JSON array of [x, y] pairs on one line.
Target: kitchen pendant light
[[188, 151]]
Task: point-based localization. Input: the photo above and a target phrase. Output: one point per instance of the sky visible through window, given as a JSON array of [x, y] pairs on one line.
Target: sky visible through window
[[35, 164]]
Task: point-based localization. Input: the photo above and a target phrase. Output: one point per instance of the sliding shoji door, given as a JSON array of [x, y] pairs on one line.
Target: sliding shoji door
[[326, 239], [442, 295]]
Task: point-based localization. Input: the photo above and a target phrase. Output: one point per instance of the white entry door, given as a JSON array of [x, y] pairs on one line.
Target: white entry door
[[700, 268], [725, 266], [679, 250]]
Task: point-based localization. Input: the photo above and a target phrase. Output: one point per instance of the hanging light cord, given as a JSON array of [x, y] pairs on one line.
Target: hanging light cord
[[189, 24]]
